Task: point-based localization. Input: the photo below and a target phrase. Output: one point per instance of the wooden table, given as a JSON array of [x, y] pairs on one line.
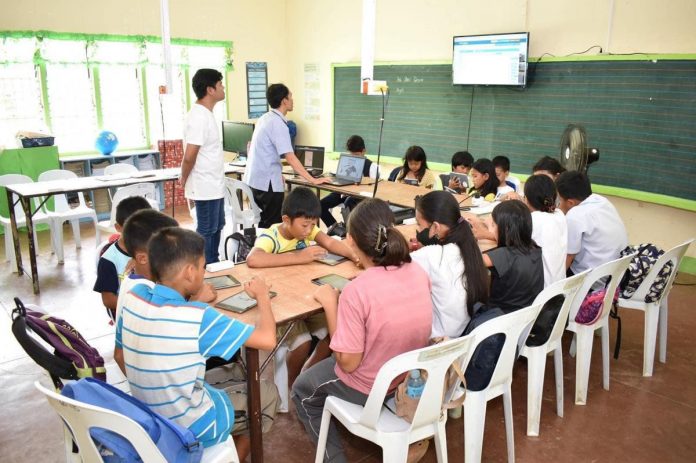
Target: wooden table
[[295, 301], [395, 193]]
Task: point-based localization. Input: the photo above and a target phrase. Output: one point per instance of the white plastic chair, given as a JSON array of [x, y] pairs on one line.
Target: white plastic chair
[[378, 424], [236, 217], [145, 190], [536, 355], [62, 211], [655, 312], [79, 418], [515, 326], [584, 333], [39, 217], [119, 168]]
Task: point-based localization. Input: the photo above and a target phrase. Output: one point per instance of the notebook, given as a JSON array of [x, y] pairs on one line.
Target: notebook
[[349, 171]]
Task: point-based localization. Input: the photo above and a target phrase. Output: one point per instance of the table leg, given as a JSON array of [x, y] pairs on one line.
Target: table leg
[[254, 405], [15, 233], [28, 213]]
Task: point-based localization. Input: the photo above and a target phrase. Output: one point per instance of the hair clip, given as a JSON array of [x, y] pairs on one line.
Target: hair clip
[[381, 244]]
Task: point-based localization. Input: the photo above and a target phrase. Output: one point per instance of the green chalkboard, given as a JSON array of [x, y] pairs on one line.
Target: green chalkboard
[[641, 115]]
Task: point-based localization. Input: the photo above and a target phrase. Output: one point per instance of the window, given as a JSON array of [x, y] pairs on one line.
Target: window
[[75, 85]]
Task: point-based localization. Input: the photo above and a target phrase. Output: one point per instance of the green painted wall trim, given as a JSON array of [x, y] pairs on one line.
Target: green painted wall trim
[[97, 96], [146, 105], [664, 200], [688, 265], [111, 38], [44, 97]]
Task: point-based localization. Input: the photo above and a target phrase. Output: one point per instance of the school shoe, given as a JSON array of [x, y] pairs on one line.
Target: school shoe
[[337, 229]]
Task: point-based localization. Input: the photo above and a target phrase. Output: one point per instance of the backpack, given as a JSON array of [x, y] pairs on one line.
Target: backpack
[[482, 364], [244, 243], [638, 269], [176, 443], [73, 357]]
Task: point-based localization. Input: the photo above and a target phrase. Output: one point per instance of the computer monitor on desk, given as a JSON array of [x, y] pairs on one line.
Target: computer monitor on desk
[[236, 136], [311, 157]]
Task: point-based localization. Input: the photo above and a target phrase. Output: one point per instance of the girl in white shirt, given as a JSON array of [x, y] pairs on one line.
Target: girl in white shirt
[[549, 229], [452, 259]]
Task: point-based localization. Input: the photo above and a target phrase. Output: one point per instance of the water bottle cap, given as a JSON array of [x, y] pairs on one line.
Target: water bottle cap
[[415, 373]]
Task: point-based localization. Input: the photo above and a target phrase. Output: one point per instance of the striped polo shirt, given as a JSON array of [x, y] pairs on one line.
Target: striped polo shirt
[[165, 342]]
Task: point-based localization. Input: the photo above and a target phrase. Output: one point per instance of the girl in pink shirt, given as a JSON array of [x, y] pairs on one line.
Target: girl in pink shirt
[[384, 312]]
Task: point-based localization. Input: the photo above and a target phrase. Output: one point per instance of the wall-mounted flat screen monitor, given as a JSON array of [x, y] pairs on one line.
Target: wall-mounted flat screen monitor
[[492, 59], [236, 136]]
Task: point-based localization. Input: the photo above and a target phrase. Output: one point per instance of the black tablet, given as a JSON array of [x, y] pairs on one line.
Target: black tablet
[[336, 281], [240, 302], [222, 281], [331, 259]]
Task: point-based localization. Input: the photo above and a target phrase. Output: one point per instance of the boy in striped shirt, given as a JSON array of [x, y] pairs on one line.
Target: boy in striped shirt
[[164, 340]]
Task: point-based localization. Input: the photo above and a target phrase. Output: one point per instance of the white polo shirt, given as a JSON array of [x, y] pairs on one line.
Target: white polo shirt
[[270, 141], [207, 178], [596, 233], [550, 232]]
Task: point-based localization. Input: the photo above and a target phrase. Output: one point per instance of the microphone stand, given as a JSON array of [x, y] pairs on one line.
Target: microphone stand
[[379, 144]]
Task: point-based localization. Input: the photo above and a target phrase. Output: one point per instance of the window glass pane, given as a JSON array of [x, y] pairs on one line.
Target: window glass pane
[[64, 51], [122, 105], [20, 102], [17, 50], [71, 102], [165, 110], [117, 52]]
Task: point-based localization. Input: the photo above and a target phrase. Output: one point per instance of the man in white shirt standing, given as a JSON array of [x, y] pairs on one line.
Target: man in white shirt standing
[[269, 144], [596, 233], [202, 169]]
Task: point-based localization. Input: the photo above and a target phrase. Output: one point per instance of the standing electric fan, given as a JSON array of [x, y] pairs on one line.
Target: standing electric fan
[[575, 155]]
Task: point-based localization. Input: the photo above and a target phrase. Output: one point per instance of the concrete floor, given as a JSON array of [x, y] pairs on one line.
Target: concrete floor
[[639, 419]]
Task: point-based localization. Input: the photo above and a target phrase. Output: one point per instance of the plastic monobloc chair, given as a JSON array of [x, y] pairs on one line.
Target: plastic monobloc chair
[[584, 333], [655, 312], [536, 354]]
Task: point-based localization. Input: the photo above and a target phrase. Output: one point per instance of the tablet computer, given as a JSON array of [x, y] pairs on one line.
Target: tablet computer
[[411, 181], [331, 259], [463, 179], [240, 302], [222, 281], [336, 281]]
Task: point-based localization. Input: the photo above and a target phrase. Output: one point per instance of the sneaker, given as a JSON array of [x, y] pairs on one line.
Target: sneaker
[[337, 229]]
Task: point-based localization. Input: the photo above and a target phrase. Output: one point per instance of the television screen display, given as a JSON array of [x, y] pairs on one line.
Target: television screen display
[[493, 59], [236, 136]]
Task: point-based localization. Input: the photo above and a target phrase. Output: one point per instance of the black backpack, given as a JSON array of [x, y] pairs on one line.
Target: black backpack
[[245, 242], [482, 364]]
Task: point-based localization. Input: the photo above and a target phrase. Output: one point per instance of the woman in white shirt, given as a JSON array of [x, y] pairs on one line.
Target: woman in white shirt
[[451, 258], [549, 228]]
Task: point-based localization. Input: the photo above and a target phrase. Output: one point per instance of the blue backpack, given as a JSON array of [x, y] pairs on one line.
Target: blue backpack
[[177, 443]]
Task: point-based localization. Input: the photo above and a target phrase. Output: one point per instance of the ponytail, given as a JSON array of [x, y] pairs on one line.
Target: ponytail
[[540, 192], [371, 225]]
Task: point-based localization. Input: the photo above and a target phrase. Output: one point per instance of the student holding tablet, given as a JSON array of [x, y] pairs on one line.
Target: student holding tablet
[[385, 311], [415, 169]]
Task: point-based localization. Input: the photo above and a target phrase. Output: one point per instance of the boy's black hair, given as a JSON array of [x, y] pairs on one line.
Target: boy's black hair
[[275, 94], [172, 247], [573, 184], [204, 78], [355, 144], [140, 227], [301, 202], [129, 206], [548, 164], [503, 162], [462, 158]]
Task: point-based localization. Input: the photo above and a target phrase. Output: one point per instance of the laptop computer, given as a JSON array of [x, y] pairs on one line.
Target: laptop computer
[[312, 158], [350, 170]]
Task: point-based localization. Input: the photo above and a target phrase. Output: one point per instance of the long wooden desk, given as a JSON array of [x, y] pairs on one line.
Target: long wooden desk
[[294, 301], [398, 194]]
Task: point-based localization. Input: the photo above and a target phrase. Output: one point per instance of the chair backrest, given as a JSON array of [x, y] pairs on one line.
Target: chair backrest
[[248, 217], [675, 256], [515, 326], [120, 168], [61, 200], [614, 269], [567, 288], [11, 179], [394, 173], [81, 417], [436, 360], [146, 190]]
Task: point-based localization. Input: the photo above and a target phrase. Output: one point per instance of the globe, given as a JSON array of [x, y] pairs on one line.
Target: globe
[[106, 142]]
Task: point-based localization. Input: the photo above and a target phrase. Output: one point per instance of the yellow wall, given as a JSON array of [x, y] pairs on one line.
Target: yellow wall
[[289, 33]]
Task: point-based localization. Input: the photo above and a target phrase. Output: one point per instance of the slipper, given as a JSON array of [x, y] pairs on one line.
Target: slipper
[[416, 451]]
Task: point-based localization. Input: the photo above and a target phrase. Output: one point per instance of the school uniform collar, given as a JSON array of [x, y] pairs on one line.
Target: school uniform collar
[[285, 119], [165, 292]]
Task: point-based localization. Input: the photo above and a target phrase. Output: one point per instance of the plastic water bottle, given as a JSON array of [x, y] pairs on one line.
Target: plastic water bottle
[[415, 384]]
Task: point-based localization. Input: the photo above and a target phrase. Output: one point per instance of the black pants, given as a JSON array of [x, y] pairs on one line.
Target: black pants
[[332, 200], [271, 204]]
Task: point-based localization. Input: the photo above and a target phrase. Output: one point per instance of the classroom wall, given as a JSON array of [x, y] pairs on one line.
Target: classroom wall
[[257, 28], [329, 31]]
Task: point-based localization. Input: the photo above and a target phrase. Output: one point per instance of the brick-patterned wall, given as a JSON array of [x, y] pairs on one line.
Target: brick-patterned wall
[[172, 153]]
